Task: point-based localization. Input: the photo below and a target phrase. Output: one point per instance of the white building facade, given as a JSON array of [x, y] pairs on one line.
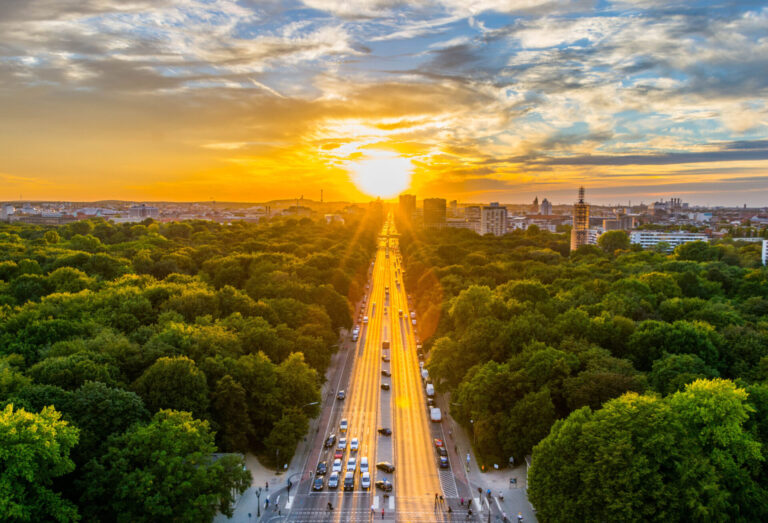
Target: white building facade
[[649, 239], [493, 220]]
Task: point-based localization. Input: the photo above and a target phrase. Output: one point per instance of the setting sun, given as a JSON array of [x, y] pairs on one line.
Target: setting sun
[[382, 173]]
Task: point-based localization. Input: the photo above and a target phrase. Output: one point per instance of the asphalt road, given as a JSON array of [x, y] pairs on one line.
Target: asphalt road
[[367, 407]]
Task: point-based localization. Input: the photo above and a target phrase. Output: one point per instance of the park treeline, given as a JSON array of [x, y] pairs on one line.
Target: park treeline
[[138, 361], [637, 379]]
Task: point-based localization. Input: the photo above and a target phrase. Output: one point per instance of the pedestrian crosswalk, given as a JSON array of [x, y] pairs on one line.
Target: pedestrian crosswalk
[[448, 483]]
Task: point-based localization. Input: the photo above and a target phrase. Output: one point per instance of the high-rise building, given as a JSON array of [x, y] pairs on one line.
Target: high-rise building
[[493, 220], [434, 213], [144, 211], [545, 208], [622, 222], [472, 213], [580, 231], [454, 206], [535, 206], [407, 206]]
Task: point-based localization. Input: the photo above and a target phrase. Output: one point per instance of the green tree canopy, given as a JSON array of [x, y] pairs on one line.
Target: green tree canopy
[[174, 383]]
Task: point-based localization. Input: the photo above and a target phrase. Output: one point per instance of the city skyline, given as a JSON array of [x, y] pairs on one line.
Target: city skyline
[[254, 101]]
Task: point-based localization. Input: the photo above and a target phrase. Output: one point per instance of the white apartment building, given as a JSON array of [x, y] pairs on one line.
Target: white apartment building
[[493, 220], [765, 251], [649, 239]]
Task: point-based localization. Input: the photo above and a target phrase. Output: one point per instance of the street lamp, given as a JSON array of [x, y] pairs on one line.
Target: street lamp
[[474, 436], [258, 502]]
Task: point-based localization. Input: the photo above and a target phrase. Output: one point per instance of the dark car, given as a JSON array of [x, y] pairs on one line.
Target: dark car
[[341, 395], [385, 386], [385, 358], [443, 462], [322, 468], [318, 483], [384, 431], [386, 373], [331, 441], [441, 451], [384, 484], [430, 402], [349, 481], [386, 466]]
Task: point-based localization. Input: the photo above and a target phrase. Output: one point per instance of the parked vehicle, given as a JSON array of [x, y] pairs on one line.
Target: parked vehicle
[[435, 414], [330, 441], [430, 390]]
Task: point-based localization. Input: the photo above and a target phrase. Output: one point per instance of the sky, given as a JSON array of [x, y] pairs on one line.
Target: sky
[[484, 100]]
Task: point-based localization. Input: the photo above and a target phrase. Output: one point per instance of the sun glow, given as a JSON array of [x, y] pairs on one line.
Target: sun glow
[[382, 173]]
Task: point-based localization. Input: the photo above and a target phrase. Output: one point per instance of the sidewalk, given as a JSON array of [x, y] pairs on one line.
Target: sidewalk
[[515, 494]]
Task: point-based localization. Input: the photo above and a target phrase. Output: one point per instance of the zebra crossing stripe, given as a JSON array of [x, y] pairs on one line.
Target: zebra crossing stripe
[[375, 502], [391, 502]]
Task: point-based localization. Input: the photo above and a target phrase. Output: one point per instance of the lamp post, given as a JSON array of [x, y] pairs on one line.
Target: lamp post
[[474, 436], [258, 502]]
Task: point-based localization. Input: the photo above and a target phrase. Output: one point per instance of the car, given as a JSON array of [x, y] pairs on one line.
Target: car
[[385, 310], [355, 336], [349, 481], [443, 462], [330, 441], [384, 484], [322, 468], [342, 444], [385, 386], [354, 444], [400, 313], [338, 454], [343, 425], [365, 319], [341, 395], [384, 357], [336, 467], [364, 464], [441, 451], [333, 480], [385, 372], [365, 480], [351, 464], [439, 442], [413, 322], [386, 466], [430, 402], [318, 483], [384, 431]]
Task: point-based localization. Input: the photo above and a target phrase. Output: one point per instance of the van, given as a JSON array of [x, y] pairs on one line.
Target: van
[[430, 390], [435, 414], [349, 481]]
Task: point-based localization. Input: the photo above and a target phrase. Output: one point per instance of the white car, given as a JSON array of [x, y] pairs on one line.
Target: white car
[[365, 481], [351, 464], [344, 425], [365, 319], [354, 444], [364, 464], [342, 445], [336, 467]]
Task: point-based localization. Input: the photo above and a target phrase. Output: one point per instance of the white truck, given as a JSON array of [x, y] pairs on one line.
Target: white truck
[[435, 414], [430, 390]]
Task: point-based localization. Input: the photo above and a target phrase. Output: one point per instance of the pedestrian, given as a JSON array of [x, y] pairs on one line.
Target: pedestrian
[[462, 502], [267, 486], [382, 513], [441, 499], [519, 516], [266, 503], [373, 510], [330, 507]]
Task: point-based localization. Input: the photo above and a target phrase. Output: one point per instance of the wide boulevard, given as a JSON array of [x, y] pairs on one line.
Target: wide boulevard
[[385, 354]]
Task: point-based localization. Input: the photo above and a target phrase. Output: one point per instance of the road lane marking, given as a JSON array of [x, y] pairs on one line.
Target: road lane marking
[[477, 502], [391, 502], [376, 502]]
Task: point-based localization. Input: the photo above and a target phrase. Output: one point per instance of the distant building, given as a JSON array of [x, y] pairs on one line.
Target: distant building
[[765, 251], [493, 220], [144, 211], [621, 222], [407, 206], [545, 208], [434, 213], [580, 231], [454, 206], [649, 239], [462, 223], [330, 218], [6, 211], [472, 213], [535, 206]]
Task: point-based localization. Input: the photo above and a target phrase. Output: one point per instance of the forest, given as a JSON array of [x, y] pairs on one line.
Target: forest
[[636, 379], [139, 362]]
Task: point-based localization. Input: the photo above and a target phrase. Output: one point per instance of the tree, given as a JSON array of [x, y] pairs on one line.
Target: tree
[[174, 383], [644, 458], [100, 411], [528, 422], [51, 237], [230, 408], [34, 449], [612, 241], [286, 433], [165, 470], [69, 372], [672, 372]]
